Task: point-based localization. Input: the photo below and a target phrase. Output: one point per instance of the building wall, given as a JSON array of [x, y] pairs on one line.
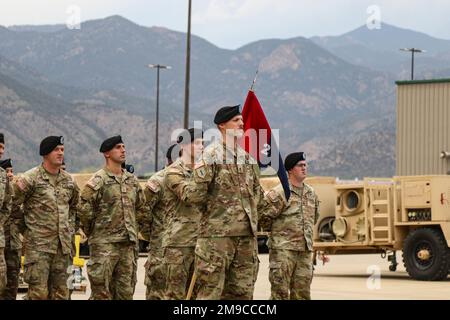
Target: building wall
[[423, 127]]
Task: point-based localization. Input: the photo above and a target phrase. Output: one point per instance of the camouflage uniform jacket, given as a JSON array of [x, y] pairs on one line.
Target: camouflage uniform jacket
[[228, 182], [49, 211], [183, 212], [5, 203], [12, 230], [292, 222], [109, 206], [151, 221]]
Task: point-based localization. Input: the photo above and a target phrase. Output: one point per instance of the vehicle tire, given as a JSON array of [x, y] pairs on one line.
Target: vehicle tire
[[426, 255]]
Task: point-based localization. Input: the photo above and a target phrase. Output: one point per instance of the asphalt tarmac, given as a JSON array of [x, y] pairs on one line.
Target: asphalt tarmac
[[344, 277]]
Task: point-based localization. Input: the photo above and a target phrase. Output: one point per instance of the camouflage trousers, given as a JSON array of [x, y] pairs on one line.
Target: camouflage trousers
[[2, 270], [112, 269], [226, 268], [46, 274], [290, 274], [12, 258], [155, 275], [179, 262]]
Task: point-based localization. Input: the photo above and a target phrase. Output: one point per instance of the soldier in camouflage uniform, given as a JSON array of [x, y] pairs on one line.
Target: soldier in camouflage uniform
[[49, 197], [291, 226], [13, 244], [228, 181], [151, 227], [182, 216], [5, 208], [108, 207]]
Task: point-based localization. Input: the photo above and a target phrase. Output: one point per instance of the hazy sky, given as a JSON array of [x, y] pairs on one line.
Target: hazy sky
[[232, 23]]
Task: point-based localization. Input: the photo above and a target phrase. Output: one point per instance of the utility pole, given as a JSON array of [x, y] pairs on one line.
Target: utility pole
[[188, 69], [157, 67], [413, 51]]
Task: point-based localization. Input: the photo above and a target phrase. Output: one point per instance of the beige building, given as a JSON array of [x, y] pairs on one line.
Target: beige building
[[423, 127]]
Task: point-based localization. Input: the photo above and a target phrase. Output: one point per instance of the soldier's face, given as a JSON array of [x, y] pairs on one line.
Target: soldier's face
[[117, 154], [234, 127], [56, 157], [300, 170], [10, 173], [2, 149], [193, 149], [197, 148]]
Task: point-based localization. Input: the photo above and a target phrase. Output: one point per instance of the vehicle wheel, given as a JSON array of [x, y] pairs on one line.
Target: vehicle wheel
[[426, 255]]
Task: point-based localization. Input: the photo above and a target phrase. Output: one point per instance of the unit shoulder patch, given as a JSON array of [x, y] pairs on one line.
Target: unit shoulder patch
[[272, 195], [153, 186], [21, 184], [94, 183]]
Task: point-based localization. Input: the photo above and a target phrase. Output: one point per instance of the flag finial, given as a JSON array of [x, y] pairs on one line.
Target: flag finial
[[254, 80]]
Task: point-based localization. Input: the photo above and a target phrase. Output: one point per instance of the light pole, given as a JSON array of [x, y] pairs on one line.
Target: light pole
[[157, 67], [412, 50], [188, 69]]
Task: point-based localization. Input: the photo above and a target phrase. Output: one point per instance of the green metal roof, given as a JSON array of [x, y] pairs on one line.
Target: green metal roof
[[422, 81]]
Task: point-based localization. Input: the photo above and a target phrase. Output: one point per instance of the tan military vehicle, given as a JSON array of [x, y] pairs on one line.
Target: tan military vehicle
[[376, 215]]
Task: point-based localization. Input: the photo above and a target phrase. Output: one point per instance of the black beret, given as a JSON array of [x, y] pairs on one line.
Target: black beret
[[2, 138], [187, 136], [226, 113], [49, 144], [292, 159], [5, 164], [170, 150], [109, 143]]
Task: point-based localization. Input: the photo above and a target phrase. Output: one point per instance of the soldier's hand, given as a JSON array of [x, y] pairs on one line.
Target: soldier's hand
[[83, 237]]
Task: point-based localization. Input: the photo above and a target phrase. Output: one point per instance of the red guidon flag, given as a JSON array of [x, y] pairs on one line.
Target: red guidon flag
[[259, 142]]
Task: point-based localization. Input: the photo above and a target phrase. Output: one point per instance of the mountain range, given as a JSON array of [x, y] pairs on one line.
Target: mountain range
[[332, 97]]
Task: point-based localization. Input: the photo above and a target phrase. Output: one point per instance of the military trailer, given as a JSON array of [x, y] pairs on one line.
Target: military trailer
[[410, 212], [384, 215]]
